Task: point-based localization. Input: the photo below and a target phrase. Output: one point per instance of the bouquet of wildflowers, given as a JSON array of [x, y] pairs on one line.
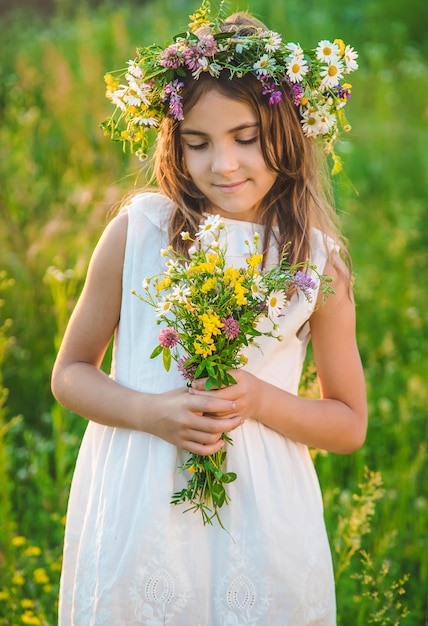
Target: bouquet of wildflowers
[[211, 312]]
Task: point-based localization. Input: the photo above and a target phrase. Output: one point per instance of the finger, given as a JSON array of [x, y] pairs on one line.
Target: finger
[[202, 449], [210, 402], [212, 425]]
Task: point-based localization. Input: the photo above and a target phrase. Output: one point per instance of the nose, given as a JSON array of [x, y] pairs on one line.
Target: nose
[[224, 159]]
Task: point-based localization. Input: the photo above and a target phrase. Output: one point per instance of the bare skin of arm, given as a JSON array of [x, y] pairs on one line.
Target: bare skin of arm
[[77, 382], [337, 421]]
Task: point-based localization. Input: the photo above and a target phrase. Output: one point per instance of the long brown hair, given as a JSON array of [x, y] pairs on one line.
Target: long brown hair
[[299, 198]]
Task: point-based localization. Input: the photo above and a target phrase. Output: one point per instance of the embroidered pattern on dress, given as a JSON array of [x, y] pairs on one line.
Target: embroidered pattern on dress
[[237, 601], [159, 591]]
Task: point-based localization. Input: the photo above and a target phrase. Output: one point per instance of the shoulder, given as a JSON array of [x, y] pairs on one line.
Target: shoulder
[[149, 206], [321, 243]]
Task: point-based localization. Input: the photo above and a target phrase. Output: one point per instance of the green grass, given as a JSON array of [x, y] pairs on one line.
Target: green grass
[[61, 178]]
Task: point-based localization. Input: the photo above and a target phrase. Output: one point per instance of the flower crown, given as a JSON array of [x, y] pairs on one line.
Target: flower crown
[[152, 85]]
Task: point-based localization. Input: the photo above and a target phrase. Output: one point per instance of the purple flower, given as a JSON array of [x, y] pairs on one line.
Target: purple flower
[[269, 88], [296, 93], [187, 371], [275, 97], [207, 45], [343, 93], [174, 99], [304, 282], [171, 57], [230, 327], [168, 337], [192, 56]]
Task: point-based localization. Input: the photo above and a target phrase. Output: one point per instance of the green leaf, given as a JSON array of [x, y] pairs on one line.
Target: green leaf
[[218, 494], [156, 352], [211, 383], [200, 369], [230, 380], [210, 369], [166, 357], [228, 478]]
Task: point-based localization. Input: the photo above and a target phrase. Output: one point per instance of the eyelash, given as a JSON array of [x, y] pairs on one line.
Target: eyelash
[[242, 142]]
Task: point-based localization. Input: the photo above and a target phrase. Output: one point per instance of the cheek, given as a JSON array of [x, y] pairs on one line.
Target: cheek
[[193, 162]]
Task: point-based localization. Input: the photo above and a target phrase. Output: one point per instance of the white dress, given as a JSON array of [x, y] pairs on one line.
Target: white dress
[[130, 557]]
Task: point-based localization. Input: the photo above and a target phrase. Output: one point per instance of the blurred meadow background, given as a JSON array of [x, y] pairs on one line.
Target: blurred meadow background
[[59, 181]]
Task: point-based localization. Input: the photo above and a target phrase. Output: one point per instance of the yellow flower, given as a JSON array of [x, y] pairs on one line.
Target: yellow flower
[[4, 595], [255, 260], [40, 576], [214, 259], [240, 292], [209, 284], [204, 267], [164, 283], [26, 603], [110, 82], [19, 540], [211, 323], [32, 551], [18, 579], [29, 618], [341, 45], [199, 18], [204, 346], [231, 275]]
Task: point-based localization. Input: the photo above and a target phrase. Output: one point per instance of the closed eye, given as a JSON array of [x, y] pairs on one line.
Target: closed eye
[[198, 146], [247, 142]]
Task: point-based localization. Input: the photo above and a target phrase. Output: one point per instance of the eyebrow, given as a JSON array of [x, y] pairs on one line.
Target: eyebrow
[[200, 133]]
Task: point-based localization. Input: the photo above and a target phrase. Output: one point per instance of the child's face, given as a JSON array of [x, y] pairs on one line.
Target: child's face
[[221, 147]]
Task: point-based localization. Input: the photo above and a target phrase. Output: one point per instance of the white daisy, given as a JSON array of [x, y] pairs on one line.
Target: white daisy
[[117, 97], [350, 57], [264, 65], [134, 69], [141, 90], [258, 291], [132, 100], [180, 294], [206, 230], [326, 50], [240, 45], [297, 68], [275, 302], [326, 120], [273, 41], [295, 49], [163, 307], [310, 123], [171, 266], [332, 73], [145, 121]]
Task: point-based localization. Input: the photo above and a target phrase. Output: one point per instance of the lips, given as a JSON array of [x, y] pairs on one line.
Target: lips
[[230, 187]]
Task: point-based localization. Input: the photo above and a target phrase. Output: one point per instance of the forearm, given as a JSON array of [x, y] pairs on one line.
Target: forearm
[[324, 423], [175, 416], [89, 392]]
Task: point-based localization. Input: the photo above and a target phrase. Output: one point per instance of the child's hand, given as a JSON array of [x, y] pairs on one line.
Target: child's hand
[[245, 394], [193, 422]]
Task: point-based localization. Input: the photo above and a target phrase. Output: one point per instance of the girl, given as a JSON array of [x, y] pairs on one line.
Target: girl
[[235, 139]]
